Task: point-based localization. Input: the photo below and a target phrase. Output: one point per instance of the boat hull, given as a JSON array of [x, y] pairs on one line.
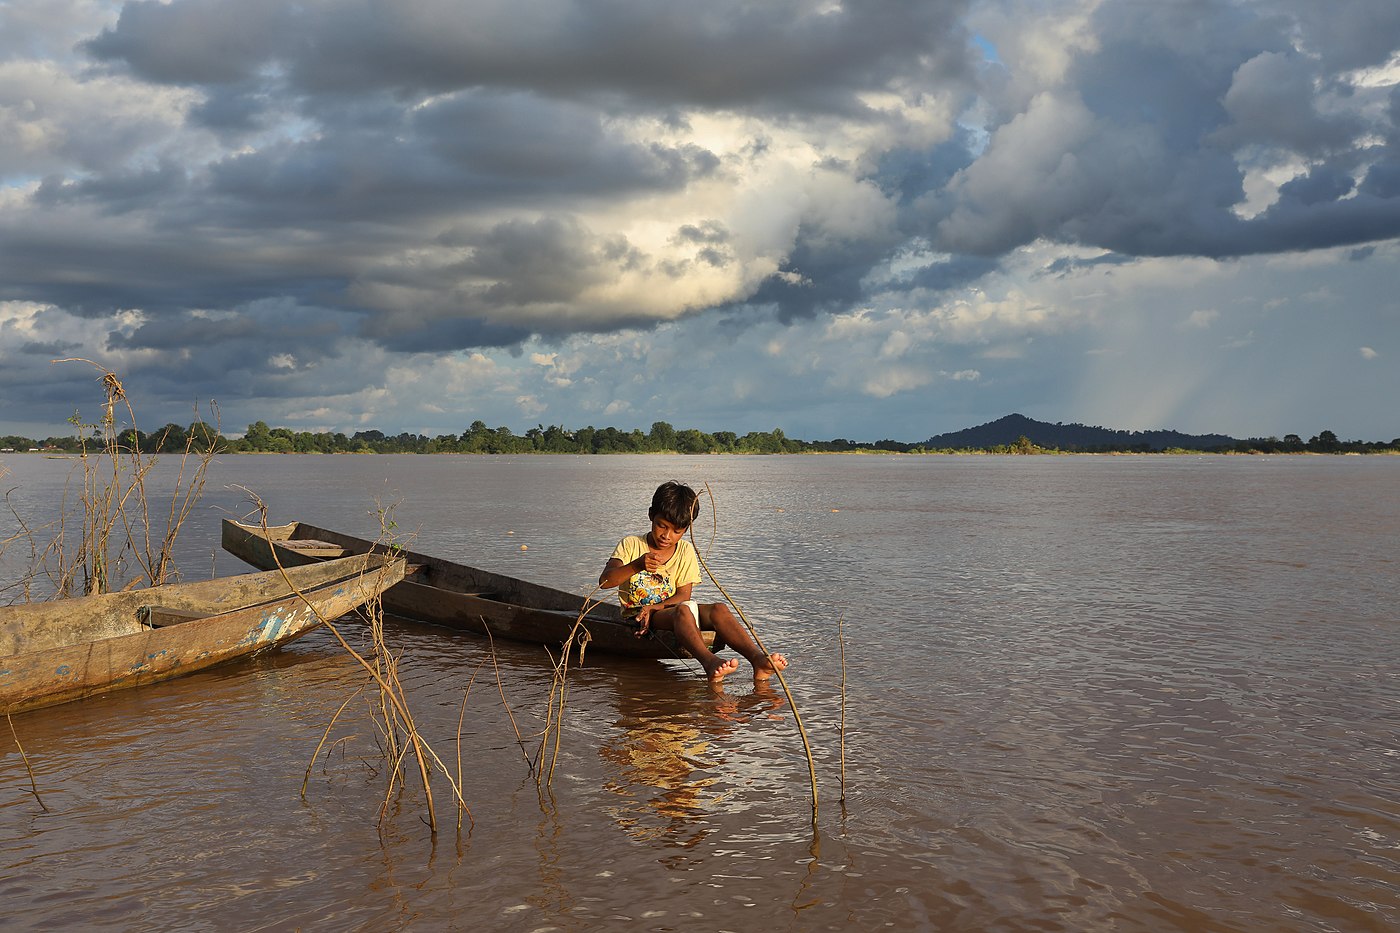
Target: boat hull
[[460, 596], [69, 649]]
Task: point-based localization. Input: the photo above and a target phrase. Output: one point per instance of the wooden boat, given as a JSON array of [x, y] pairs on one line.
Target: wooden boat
[[66, 649], [455, 595]]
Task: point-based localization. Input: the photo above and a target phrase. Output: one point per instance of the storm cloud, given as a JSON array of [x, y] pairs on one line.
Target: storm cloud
[[890, 218]]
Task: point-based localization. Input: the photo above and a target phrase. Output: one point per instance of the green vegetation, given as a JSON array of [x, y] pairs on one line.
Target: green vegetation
[[662, 438]]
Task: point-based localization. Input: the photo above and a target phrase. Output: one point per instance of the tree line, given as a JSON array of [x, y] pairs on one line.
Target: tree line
[[555, 439]]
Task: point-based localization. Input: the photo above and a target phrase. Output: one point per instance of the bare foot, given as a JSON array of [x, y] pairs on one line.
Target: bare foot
[[723, 668], [776, 662]]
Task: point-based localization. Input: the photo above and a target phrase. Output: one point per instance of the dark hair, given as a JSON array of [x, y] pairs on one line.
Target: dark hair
[[676, 502]]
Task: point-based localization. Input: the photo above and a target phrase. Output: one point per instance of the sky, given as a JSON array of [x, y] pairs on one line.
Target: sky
[[873, 219]]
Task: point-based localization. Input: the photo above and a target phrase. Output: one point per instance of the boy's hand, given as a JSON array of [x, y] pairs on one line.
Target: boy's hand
[[644, 620], [651, 561]]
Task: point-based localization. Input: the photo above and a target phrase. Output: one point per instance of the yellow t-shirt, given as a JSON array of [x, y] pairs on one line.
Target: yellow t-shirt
[[645, 588]]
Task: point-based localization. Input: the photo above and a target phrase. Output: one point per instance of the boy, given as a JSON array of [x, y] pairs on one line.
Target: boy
[[654, 574]]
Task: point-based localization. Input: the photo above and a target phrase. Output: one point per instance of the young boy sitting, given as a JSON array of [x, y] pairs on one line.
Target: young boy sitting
[[655, 572]]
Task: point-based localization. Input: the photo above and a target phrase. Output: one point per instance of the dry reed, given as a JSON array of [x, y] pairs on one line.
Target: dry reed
[[115, 515], [461, 717], [578, 638], [395, 715], [306, 778], [753, 633], [510, 714], [33, 784], [841, 640]]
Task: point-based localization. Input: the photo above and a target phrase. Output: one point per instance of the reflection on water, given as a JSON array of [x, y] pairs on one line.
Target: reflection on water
[[670, 751], [1090, 693], [662, 763]]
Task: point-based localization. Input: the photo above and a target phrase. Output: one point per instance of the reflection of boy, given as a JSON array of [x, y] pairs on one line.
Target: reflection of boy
[[655, 572]]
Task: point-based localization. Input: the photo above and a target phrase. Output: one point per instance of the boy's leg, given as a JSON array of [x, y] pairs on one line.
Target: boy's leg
[[718, 618], [681, 621]]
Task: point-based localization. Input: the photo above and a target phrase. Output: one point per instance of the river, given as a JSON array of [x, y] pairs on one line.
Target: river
[[1041, 693]]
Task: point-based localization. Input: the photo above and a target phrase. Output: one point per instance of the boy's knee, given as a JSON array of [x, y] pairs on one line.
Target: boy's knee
[[714, 615]]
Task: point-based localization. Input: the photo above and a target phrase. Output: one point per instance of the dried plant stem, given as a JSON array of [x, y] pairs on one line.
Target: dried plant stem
[[561, 691], [306, 778], [558, 691], [461, 716], [841, 640], [491, 642], [390, 690], [396, 767], [114, 496], [782, 681], [33, 784]]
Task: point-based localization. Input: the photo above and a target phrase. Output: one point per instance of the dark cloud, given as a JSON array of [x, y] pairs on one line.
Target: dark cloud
[[92, 265], [1145, 149], [728, 54], [203, 42], [1271, 103], [24, 358], [519, 146], [1356, 34], [821, 275], [117, 192], [957, 272], [548, 260], [1322, 184], [908, 174], [269, 349], [1383, 181], [199, 334], [235, 110], [1066, 265], [711, 233], [414, 334]]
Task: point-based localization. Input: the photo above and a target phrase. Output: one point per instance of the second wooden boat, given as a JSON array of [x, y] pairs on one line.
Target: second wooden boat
[[457, 595]]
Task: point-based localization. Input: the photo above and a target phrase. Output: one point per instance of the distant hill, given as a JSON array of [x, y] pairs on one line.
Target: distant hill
[[1072, 437]]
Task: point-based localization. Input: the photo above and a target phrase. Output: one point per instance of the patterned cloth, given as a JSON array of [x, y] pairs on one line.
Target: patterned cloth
[[645, 589]]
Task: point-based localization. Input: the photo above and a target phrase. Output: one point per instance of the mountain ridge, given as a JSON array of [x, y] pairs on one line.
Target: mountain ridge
[[1009, 429]]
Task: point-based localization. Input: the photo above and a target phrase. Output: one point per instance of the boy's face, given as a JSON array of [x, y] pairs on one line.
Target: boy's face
[[664, 534]]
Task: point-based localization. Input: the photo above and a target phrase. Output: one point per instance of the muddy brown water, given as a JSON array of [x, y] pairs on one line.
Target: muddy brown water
[[1082, 693]]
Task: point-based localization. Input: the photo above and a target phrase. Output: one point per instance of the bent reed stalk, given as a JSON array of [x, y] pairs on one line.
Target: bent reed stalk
[[33, 784], [558, 691], [841, 640], [393, 701], [753, 633]]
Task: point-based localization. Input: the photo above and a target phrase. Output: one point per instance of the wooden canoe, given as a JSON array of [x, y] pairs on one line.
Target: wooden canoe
[[458, 596], [66, 649]]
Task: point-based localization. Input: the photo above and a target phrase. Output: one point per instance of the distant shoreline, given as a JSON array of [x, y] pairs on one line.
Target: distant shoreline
[[1013, 434], [1043, 452]]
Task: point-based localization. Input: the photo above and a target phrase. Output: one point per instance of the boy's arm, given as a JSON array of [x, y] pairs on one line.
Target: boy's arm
[[616, 573]]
